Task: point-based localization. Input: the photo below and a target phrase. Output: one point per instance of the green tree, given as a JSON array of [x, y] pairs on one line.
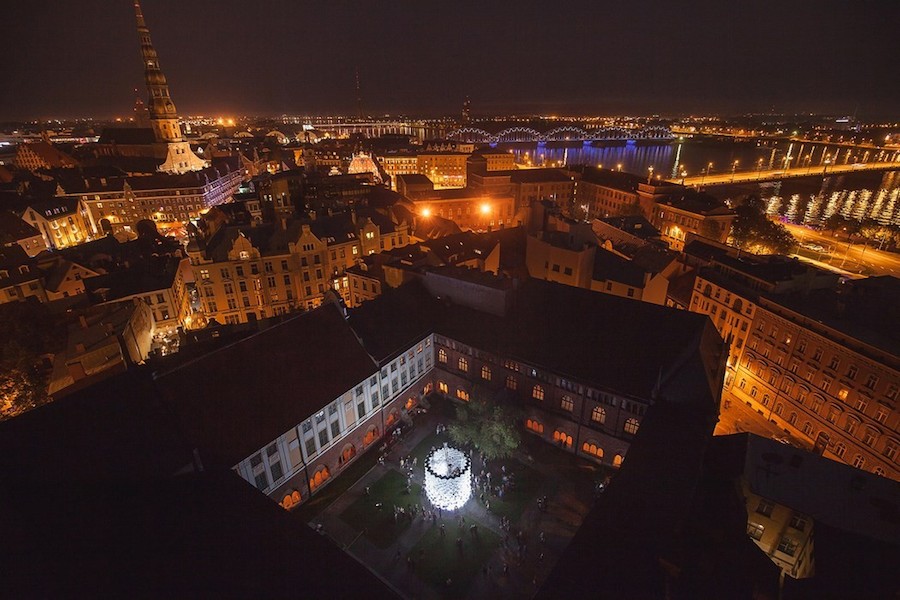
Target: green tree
[[753, 231], [488, 426]]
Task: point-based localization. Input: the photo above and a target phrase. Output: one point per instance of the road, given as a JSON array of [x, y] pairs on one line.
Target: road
[[726, 177], [737, 417], [852, 258]]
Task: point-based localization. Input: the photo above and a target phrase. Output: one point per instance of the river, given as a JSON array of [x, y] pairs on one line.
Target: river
[[804, 201]]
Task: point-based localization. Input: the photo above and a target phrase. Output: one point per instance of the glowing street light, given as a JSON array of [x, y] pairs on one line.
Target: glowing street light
[[650, 176], [619, 167], [485, 209], [426, 212]]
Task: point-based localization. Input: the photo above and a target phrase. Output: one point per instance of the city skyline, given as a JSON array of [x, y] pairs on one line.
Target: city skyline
[[224, 58]]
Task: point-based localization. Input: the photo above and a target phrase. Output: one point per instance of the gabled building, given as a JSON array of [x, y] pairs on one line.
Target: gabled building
[[19, 276], [41, 155], [14, 230], [61, 221]]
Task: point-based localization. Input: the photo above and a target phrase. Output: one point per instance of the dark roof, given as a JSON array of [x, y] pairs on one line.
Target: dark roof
[[414, 179], [13, 259], [619, 180], [699, 203], [536, 175], [609, 266], [116, 430], [13, 229], [704, 249], [590, 340], [395, 320], [661, 529], [56, 207], [863, 309], [202, 535], [307, 362], [636, 225], [158, 273], [132, 136]]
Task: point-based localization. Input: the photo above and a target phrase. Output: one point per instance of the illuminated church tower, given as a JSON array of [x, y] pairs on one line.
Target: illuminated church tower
[[179, 158]]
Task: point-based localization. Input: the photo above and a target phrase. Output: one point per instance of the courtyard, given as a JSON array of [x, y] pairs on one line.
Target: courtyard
[[502, 543]]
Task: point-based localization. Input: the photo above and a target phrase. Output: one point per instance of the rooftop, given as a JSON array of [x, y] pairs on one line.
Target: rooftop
[[306, 362]]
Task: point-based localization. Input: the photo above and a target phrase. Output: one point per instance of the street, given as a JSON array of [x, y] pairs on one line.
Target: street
[[737, 417], [857, 259]]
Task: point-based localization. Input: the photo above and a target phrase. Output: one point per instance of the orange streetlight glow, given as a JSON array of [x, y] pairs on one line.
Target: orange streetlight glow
[[485, 209], [426, 212]]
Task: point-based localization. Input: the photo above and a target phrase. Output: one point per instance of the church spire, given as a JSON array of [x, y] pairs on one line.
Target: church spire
[[163, 116], [179, 157]]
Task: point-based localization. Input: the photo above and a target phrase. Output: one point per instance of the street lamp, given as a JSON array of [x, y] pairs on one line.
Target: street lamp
[[619, 167], [733, 169], [759, 164]]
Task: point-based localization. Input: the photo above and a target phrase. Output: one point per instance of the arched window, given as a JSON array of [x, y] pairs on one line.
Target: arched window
[[840, 449], [511, 383], [537, 393], [371, 435], [859, 461], [319, 478], [442, 356], [486, 373], [779, 408], [878, 471], [566, 403], [598, 415], [463, 364], [592, 449], [534, 426], [462, 394], [443, 388], [347, 453], [617, 460], [562, 438], [793, 419], [631, 426]]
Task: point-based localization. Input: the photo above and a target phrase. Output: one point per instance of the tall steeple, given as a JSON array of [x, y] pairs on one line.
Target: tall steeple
[[163, 115]]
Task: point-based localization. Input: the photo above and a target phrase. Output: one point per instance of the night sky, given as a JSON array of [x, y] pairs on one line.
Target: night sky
[[67, 58]]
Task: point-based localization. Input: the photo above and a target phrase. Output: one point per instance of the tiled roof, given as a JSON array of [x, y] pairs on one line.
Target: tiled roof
[[13, 229]]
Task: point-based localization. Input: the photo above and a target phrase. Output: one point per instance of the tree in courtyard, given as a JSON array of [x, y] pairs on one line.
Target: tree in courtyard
[[26, 334], [753, 231], [487, 425]]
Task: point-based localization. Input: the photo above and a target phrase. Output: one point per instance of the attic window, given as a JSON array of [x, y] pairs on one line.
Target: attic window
[[244, 255]]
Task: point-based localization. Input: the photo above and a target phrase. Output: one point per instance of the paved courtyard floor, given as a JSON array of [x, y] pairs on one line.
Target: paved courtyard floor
[[495, 546]]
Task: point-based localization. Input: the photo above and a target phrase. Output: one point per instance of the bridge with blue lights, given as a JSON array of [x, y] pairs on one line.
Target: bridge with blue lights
[[568, 133]]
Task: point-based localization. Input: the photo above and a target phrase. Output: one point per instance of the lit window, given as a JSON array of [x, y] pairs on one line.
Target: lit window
[[537, 393], [598, 415], [442, 356], [755, 530], [486, 373], [511, 383], [631, 426], [463, 364], [567, 404]]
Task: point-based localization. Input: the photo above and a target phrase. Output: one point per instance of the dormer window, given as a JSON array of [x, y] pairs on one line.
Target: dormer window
[[244, 255], [23, 270]]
